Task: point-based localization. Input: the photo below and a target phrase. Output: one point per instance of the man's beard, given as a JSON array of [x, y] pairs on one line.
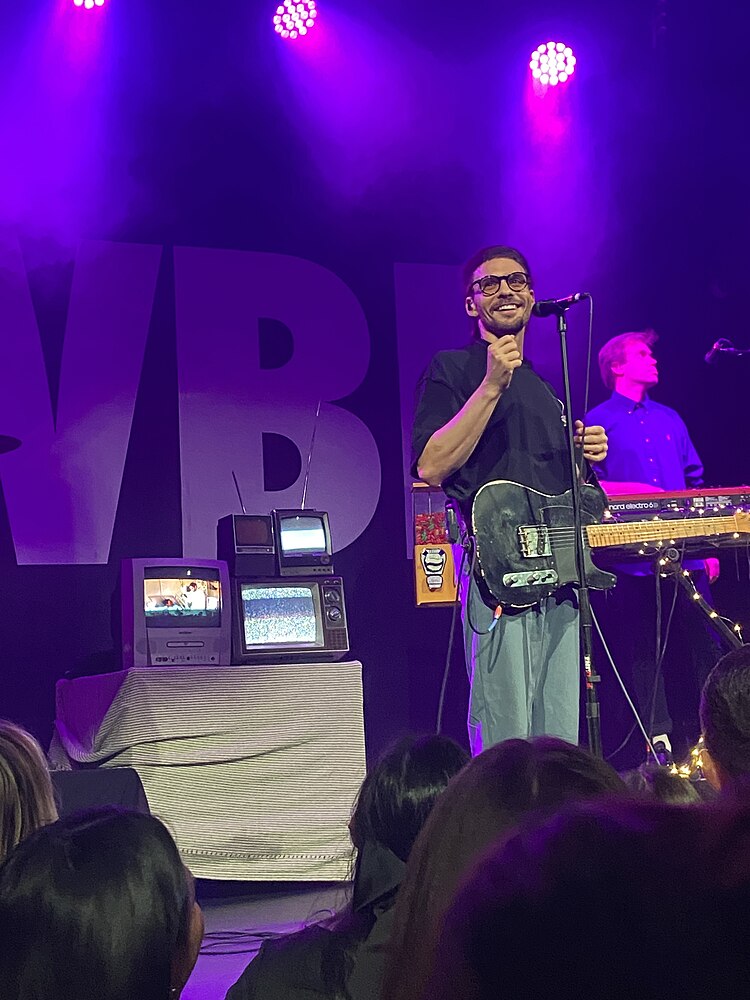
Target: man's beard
[[503, 328]]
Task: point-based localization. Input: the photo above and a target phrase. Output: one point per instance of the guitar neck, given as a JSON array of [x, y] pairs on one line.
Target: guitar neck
[[603, 535]]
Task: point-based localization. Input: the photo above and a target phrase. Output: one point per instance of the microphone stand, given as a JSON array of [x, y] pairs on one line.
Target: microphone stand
[[585, 619]]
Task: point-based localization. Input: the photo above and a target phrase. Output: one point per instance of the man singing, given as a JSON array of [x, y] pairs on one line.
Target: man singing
[[484, 414]]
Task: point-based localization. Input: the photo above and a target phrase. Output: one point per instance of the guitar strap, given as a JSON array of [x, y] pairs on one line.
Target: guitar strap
[[585, 472], [459, 529], [460, 533]]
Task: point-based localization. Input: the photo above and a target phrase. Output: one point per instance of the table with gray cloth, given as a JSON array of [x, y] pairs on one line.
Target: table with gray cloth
[[253, 768]]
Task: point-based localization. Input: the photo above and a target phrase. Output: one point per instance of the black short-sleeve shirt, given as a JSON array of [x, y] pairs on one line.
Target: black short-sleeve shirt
[[525, 438]]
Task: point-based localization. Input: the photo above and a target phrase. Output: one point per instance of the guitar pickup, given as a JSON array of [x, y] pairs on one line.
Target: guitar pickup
[[534, 540], [545, 577]]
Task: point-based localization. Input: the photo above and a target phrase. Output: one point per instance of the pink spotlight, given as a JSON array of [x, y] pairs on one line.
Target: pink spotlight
[[293, 18], [89, 4], [552, 63]]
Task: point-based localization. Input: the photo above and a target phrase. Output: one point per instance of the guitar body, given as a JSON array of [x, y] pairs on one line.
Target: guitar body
[[526, 541]]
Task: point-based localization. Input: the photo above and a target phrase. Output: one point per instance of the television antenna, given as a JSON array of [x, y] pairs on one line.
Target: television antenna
[[237, 487], [309, 455]]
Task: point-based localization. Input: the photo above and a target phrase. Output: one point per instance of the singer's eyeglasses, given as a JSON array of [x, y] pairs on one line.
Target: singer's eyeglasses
[[491, 283]]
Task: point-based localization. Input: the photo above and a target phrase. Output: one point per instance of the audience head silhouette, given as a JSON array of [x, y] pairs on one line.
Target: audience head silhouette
[[617, 900], [27, 800], [725, 720], [663, 785], [345, 958], [486, 801], [97, 906], [398, 793]]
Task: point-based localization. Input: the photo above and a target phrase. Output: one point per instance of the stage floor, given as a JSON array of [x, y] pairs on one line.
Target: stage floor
[[238, 918]]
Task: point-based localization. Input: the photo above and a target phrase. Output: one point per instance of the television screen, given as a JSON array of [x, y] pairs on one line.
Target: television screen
[[279, 616], [174, 601], [303, 534], [253, 530]]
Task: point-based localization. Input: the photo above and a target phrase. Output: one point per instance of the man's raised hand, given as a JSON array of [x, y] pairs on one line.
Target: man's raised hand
[[503, 357]]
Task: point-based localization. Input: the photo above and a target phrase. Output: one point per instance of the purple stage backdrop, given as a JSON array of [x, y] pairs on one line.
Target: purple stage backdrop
[[206, 231]]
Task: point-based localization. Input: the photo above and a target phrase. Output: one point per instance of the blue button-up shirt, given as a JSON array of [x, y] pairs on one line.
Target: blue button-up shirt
[[648, 443]]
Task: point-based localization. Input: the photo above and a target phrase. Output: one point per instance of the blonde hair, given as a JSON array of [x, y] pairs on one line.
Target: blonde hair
[[613, 352], [27, 799]]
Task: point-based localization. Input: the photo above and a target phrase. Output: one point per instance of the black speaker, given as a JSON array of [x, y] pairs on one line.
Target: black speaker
[[93, 787], [246, 543]]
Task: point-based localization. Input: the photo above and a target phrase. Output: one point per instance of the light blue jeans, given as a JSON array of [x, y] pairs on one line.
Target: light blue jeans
[[525, 672]]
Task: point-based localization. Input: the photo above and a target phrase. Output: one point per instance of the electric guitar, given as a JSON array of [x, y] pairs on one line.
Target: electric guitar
[[526, 539]]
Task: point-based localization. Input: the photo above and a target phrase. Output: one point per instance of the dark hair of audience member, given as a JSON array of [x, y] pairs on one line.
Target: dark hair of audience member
[[27, 800], [392, 805], [662, 785], [486, 801], [395, 799], [399, 792], [725, 719], [617, 900], [97, 906]]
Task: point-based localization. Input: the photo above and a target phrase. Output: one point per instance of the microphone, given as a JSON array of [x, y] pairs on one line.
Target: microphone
[[548, 307], [721, 345]]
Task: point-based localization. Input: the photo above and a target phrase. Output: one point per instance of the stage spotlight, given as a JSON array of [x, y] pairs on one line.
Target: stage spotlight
[[552, 63], [89, 4], [295, 17]]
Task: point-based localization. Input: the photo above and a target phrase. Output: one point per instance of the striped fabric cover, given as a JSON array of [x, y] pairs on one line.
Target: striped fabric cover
[[254, 769]]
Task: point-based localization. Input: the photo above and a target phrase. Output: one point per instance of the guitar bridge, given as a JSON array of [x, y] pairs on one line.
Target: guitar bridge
[[534, 540]]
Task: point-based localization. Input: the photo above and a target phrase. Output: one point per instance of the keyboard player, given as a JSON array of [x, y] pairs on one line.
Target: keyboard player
[[650, 450]]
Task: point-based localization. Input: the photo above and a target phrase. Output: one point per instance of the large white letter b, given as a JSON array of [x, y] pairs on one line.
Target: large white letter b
[[228, 401]]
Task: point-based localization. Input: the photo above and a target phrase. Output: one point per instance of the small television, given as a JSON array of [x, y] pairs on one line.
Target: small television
[[175, 612], [245, 542], [303, 542], [299, 620]]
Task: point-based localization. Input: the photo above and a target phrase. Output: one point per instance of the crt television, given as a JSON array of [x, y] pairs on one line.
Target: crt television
[[175, 611], [246, 542], [303, 542], [288, 620]]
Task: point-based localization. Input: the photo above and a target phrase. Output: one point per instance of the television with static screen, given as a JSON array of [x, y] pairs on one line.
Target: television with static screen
[[175, 612], [288, 620], [303, 542]]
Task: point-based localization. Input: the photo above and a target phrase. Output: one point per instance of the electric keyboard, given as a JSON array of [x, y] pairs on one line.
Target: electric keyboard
[[701, 521]]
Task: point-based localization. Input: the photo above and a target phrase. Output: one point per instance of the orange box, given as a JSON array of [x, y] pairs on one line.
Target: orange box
[[435, 574], [434, 569]]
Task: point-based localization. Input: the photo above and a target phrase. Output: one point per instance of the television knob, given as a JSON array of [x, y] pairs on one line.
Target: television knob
[[333, 614], [332, 597]]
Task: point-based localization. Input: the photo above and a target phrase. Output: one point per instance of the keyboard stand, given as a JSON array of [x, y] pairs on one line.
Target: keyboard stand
[[669, 564]]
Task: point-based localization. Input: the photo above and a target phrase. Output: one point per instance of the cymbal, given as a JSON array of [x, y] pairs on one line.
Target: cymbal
[[8, 443]]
